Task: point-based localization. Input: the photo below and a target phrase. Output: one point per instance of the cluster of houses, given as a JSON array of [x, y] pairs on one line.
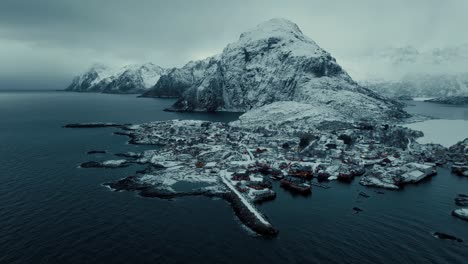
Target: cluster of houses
[[386, 157]]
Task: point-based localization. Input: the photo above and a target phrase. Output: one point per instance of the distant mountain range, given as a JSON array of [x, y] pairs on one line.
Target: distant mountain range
[[273, 62], [126, 80], [408, 72], [422, 85]]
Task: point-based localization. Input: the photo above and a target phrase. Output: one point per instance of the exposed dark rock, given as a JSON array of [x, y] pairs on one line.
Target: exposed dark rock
[[444, 236], [91, 164], [93, 125], [97, 152], [357, 209], [305, 140], [461, 201], [347, 139], [363, 194], [96, 164], [132, 155]]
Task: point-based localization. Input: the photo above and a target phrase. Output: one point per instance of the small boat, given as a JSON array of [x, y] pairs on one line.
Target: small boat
[[323, 176], [277, 177], [301, 174], [295, 186], [345, 177]]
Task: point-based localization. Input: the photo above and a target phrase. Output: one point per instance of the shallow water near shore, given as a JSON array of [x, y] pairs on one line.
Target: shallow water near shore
[[54, 212]]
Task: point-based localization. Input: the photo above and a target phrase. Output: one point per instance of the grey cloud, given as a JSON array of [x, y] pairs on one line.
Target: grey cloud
[[62, 37]]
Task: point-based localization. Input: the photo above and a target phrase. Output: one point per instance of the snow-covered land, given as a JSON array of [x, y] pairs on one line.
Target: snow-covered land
[[287, 113], [441, 131], [128, 79], [461, 213]]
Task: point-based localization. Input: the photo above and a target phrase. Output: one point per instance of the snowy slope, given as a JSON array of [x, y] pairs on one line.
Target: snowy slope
[[128, 79], [286, 113], [276, 62]]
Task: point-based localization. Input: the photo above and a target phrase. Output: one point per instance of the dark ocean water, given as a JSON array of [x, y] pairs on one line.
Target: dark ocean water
[[53, 212]]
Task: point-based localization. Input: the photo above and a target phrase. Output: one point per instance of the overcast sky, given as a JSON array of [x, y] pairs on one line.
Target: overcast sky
[[43, 43]]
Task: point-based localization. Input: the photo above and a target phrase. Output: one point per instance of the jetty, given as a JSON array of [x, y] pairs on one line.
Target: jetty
[[247, 212]]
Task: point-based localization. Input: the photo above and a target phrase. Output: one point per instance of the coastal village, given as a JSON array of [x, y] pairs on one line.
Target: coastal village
[[243, 162]]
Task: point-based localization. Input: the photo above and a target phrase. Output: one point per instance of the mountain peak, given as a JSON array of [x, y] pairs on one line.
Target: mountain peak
[[278, 34], [278, 24], [274, 28]]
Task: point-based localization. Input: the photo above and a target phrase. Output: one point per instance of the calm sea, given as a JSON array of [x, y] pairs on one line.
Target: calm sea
[[53, 212]]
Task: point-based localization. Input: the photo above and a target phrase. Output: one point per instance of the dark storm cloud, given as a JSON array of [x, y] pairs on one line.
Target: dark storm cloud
[[54, 39]]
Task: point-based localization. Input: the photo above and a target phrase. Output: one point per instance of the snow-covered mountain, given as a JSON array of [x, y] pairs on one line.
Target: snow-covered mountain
[[409, 72], [128, 79], [275, 62], [178, 80], [90, 80]]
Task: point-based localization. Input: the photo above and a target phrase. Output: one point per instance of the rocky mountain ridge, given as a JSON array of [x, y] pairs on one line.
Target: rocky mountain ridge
[[128, 79]]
